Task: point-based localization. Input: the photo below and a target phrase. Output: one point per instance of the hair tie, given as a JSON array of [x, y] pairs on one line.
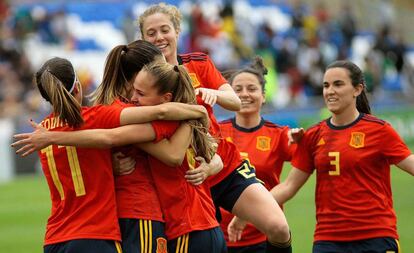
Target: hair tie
[[125, 48], [176, 68], [74, 82], [75, 78]]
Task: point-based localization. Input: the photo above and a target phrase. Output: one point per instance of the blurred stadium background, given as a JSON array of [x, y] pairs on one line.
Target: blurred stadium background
[[296, 38]]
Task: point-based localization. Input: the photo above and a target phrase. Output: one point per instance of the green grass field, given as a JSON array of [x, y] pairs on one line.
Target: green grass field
[[25, 206]]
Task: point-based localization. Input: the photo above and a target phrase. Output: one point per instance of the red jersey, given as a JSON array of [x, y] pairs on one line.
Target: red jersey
[[135, 193], [266, 147], [204, 74], [81, 182], [186, 207], [353, 192]]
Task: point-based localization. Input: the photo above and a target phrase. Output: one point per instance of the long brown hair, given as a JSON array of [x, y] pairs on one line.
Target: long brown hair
[[56, 80], [122, 65], [175, 79], [357, 77]]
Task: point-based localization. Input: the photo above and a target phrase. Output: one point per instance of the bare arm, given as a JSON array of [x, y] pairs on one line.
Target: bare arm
[[288, 188], [407, 164], [228, 99], [105, 138], [224, 96], [91, 138], [166, 111], [172, 151]]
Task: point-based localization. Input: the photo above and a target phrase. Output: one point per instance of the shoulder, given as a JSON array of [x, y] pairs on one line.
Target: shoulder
[[226, 122], [317, 126], [103, 109], [372, 119], [271, 125], [194, 57]]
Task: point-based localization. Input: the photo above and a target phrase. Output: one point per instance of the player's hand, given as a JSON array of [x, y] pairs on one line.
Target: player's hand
[[199, 174], [235, 229], [209, 96], [31, 142], [295, 135], [122, 164]]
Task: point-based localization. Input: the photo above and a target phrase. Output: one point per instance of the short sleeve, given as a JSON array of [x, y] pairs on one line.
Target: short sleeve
[[210, 75], [164, 129], [302, 157], [284, 147], [395, 150]]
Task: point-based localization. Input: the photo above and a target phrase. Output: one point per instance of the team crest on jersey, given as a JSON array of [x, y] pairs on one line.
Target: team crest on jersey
[[263, 143], [357, 140], [194, 80], [229, 139], [161, 245]]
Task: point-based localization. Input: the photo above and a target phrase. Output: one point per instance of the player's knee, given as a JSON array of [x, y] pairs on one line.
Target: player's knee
[[278, 231]]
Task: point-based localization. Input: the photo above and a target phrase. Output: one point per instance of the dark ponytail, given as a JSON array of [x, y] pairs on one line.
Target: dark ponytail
[[122, 65], [56, 80], [256, 68]]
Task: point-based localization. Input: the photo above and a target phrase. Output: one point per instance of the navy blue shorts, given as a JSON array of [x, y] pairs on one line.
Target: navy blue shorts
[[143, 236], [256, 248], [227, 192], [374, 245], [203, 241], [84, 246]]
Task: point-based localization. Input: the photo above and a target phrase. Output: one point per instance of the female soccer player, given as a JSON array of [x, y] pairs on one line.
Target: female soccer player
[[235, 188], [265, 145], [188, 210], [139, 213], [83, 216], [351, 152]]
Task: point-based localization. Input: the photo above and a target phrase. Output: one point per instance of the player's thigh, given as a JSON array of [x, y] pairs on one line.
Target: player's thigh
[[144, 236], [84, 246], [203, 241], [257, 206], [226, 193]]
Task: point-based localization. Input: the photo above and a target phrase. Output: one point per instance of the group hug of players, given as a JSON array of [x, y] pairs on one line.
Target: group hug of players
[[148, 169]]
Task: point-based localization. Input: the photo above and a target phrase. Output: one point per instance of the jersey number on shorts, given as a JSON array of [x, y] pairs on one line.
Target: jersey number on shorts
[[334, 162], [246, 170], [74, 169]]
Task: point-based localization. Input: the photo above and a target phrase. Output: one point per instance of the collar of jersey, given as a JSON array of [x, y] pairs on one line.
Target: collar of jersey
[[247, 130], [331, 126]]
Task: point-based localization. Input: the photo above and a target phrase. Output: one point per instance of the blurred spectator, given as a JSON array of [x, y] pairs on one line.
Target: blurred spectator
[[129, 26], [243, 53], [229, 31], [4, 9], [347, 23], [200, 28], [372, 72]]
